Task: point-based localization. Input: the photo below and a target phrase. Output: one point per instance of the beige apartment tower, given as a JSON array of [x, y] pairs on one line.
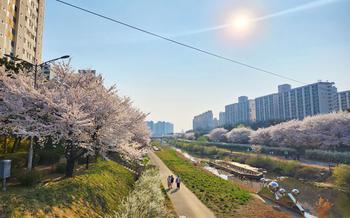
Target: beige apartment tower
[[21, 29]]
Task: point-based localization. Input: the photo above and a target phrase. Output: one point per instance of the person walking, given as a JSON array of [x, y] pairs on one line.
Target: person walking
[[171, 181], [178, 181]]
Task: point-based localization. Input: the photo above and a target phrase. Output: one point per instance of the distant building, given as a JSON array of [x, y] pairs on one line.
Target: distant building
[[344, 100], [252, 111], [87, 71], [203, 122], [297, 103], [266, 108], [241, 112], [222, 119], [160, 128]]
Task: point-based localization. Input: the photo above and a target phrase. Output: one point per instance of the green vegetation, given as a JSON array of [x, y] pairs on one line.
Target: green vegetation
[[30, 178], [342, 176], [328, 156], [274, 165], [311, 154], [96, 192], [220, 195], [285, 167], [47, 157], [19, 159], [61, 168], [147, 199]]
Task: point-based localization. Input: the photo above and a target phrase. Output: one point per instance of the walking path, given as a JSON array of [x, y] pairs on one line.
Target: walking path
[[186, 204]]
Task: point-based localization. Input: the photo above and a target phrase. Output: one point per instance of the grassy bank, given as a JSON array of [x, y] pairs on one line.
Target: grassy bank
[[222, 196], [96, 192], [272, 164]]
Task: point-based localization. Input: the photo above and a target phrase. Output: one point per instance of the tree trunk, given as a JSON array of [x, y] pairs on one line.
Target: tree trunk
[[70, 167], [5, 144], [30, 155], [87, 162], [16, 144]]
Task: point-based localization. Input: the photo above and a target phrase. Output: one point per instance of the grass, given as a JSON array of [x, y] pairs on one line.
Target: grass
[[222, 196], [96, 192]]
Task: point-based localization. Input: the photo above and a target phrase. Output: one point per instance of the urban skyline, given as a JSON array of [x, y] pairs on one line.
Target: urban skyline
[[286, 104], [160, 128], [173, 83]]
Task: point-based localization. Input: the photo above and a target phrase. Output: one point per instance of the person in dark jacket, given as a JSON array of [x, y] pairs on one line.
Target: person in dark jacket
[[178, 181], [171, 181]]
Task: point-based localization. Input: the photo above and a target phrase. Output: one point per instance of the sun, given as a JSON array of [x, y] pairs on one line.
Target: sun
[[241, 22]]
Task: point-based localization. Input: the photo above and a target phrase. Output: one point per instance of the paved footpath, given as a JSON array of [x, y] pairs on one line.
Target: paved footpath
[[186, 204]]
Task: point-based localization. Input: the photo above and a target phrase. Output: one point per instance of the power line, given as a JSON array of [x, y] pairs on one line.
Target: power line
[[180, 43]]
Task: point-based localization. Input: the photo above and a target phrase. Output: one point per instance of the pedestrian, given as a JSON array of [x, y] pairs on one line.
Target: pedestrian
[[178, 181], [171, 181]]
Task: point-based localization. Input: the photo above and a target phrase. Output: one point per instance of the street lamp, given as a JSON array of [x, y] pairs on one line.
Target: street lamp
[[35, 66]]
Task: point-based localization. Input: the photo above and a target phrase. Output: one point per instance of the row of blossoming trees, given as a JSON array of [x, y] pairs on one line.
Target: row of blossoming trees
[[326, 131], [75, 111]]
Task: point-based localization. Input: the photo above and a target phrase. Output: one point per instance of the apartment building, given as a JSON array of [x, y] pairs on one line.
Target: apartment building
[[241, 112], [266, 107], [222, 121], [344, 100], [160, 128], [21, 29], [203, 122], [297, 103]]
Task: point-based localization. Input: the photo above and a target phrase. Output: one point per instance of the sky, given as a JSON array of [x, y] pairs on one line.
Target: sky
[[304, 40]]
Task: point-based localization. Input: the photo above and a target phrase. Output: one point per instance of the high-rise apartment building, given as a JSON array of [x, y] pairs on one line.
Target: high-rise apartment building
[[222, 119], [241, 112], [21, 29], [344, 100], [297, 103], [267, 107], [160, 128], [203, 122]]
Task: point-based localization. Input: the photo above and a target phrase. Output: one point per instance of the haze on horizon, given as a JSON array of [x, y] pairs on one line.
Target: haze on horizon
[[304, 40]]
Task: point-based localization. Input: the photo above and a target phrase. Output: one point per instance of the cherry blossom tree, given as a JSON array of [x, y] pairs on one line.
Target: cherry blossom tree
[[75, 111], [217, 135], [239, 135], [324, 131]]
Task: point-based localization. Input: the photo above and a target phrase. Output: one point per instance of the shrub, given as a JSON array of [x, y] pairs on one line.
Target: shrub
[[30, 178], [342, 176], [285, 168], [61, 168], [311, 173], [278, 150], [146, 200], [19, 159], [328, 156], [48, 157]]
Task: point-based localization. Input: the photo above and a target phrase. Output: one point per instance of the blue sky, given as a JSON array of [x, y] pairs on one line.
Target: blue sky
[[173, 83]]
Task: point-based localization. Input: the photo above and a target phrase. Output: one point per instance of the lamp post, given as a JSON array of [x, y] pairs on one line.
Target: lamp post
[[36, 65]]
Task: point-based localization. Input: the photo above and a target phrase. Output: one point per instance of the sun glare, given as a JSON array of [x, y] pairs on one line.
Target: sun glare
[[241, 22]]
